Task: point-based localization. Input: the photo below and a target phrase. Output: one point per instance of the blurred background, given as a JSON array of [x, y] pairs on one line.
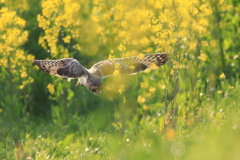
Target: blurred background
[[186, 109]]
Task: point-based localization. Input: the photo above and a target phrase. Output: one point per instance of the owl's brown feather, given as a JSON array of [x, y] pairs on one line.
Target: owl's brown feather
[[130, 65], [67, 67]]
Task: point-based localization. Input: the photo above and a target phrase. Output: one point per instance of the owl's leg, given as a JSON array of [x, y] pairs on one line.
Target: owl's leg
[[69, 79], [78, 84]]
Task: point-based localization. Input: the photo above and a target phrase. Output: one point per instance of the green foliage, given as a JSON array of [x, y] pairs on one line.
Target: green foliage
[[186, 109]]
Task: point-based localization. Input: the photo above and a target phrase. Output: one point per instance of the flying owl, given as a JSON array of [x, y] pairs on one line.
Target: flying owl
[[92, 78]]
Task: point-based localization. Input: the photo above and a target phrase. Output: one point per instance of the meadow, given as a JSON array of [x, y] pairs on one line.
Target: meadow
[[186, 109]]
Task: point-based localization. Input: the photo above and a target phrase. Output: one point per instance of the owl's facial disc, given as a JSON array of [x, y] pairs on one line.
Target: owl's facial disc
[[95, 90]]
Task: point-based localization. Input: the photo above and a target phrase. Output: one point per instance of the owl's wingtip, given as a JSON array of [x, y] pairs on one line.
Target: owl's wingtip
[[168, 55], [36, 62]]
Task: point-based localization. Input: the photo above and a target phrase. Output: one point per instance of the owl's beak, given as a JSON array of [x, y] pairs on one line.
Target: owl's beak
[[98, 93]]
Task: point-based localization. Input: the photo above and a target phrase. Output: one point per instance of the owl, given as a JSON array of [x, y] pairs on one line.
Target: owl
[[92, 78]]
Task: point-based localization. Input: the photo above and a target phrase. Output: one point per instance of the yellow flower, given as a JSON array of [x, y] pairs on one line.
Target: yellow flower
[[153, 66], [111, 56], [30, 57], [143, 85], [172, 72], [77, 47], [24, 74], [220, 91], [20, 22], [21, 87], [230, 87], [152, 89], [4, 62], [145, 107], [184, 24], [141, 56], [121, 47], [203, 57], [117, 66], [203, 21], [222, 75], [144, 41], [121, 89], [141, 99], [192, 46], [122, 33], [162, 86], [147, 70], [213, 43], [116, 72], [51, 88], [67, 39], [205, 43]]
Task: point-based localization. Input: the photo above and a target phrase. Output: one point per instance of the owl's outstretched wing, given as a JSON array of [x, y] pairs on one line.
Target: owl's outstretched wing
[[67, 67], [130, 65]]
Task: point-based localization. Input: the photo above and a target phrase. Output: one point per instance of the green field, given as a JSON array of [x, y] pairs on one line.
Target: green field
[[187, 109]]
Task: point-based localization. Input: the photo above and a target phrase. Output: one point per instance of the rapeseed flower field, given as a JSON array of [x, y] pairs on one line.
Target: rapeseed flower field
[[186, 109]]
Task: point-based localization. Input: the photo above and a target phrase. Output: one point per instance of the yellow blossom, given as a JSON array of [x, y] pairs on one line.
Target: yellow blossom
[[13, 57], [67, 39], [148, 95], [117, 65], [205, 43], [152, 89], [145, 107], [21, 87], [143, 85], [30, 57], [148, 50], [184, 24], [111, 56], [213, 43], [121, 89], [24, 74], [116, 72], [153, 66], [222, 75], [230, 87], [147, 70], [121, 47], [141, 99], [202, 57], [51, 88], [122, 33], [162, 86], [220, 91], [172, 72], [192, 46], [77, 47], [203, 21], [141, 56], [4, 62], [144, 41]]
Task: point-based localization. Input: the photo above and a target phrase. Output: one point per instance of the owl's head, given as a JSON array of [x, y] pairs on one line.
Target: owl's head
[[94, 85]]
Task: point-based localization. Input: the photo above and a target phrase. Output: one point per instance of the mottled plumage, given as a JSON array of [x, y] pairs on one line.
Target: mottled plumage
[[92, 78]]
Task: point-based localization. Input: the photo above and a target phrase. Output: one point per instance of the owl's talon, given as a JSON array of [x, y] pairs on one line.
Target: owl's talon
[[78, 84]]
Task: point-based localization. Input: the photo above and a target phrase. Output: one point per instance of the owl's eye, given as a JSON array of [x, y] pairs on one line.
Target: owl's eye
[[93, 90]]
